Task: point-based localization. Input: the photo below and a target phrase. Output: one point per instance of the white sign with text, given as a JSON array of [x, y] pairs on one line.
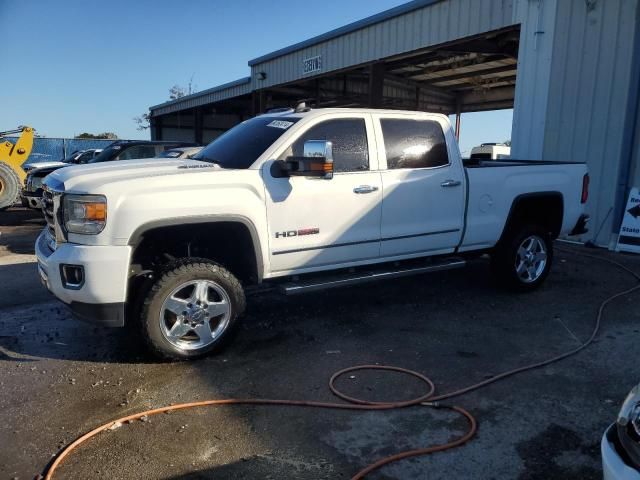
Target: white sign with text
[[629, 238]]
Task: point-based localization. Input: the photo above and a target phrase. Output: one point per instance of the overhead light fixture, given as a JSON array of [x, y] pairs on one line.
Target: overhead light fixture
[[262, 75]]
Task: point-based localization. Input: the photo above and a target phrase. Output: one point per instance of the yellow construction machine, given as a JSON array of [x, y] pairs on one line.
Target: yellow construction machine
[[12, 156]]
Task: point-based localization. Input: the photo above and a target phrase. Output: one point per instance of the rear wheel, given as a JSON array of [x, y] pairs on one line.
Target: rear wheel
[[9, 186], [523, 259], [191, 310]]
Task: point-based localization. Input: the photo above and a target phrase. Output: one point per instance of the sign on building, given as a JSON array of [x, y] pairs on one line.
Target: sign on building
[[312, 65], [629, 238]]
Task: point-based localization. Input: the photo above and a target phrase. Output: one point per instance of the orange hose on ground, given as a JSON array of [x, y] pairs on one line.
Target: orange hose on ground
[[358, 404]]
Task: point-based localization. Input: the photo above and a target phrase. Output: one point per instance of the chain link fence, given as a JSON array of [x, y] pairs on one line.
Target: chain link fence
[[53, 149]]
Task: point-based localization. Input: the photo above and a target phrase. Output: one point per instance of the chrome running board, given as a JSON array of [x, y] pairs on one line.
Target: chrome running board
[[312, 285]]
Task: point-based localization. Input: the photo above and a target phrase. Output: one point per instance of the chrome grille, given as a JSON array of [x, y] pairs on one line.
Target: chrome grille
[[50, 208]]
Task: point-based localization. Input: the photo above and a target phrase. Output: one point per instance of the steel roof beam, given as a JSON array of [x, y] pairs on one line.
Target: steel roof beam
[[473, 74]]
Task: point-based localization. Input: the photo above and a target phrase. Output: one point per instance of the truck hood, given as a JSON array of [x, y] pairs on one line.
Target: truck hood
[[38, 166], [92, 178]]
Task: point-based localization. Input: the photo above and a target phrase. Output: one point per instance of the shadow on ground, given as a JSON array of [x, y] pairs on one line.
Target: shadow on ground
[[19, 227], [455, 327]]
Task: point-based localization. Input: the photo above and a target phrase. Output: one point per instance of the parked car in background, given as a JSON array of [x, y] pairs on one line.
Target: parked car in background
[[118, 150], [182, 152], [76, 158], [490, 151], [620, 446]]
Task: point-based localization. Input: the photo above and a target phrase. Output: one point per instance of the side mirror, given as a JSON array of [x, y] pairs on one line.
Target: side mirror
[[316, 162]]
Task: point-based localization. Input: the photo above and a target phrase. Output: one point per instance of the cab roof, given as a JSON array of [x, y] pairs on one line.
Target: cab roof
[[311, 112]]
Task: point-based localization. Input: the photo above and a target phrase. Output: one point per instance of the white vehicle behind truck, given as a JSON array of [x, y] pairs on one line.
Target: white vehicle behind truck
[[491, 151], [298, 200]]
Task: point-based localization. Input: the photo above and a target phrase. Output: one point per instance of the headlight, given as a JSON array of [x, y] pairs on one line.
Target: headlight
[[85, 213], [629, 415]]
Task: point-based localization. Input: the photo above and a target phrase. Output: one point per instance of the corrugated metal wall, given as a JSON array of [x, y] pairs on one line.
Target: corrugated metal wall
[[589, 92], [537, 20], [573, 88], [430, 25]]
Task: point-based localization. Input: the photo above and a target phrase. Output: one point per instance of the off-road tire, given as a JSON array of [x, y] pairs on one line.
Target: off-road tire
[[9, 187], [505, 256], [179, 272]]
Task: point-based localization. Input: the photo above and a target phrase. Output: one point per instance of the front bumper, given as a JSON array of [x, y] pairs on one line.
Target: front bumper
[[32, 199], [101, 298], [613, 465], [32, 202]]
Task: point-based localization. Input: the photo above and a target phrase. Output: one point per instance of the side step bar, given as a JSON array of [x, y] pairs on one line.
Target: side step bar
[[312, 285]]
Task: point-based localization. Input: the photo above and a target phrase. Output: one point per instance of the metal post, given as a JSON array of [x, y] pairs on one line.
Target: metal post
[[155, 129], [317, 88], [198, 125], [376, 84], [258, 102], [458, 119]]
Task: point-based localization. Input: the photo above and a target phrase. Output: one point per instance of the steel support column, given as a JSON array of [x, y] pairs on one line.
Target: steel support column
[[258, 102], [458, 118], [198, 125], [155, 127], [376, 84]]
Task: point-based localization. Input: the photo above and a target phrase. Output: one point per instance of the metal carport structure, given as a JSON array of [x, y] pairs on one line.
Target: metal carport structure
[[570, 69], [468, 63]]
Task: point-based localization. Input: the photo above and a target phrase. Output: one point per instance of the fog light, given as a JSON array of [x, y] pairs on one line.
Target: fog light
[[72, 276]]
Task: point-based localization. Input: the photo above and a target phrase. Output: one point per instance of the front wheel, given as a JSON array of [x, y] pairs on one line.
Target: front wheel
[[191, 310], [522, 261]]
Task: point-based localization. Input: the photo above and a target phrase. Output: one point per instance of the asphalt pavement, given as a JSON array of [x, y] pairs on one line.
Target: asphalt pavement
[[60, 378]]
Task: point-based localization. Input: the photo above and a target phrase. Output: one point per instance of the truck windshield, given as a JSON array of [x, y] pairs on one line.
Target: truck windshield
[[243, 144]]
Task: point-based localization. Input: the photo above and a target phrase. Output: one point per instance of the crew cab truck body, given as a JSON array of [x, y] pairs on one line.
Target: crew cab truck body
[[300, 200]]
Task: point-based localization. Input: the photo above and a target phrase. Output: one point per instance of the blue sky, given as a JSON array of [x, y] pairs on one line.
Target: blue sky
[[73, 66]]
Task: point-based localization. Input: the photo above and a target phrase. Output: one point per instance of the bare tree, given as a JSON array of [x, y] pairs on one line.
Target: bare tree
[[175, 92], [143, 121]]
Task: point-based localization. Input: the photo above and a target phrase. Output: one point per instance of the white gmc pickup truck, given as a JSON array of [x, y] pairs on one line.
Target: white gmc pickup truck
[[299, 200]]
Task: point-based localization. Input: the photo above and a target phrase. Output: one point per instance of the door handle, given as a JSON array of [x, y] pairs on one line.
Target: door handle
[[365, 189], [451, 183]]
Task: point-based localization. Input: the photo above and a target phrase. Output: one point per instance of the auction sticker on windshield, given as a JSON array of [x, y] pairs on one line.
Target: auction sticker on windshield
[[280, 124]]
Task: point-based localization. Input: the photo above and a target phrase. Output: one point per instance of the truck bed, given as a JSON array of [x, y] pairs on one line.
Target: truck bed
[[480, 163], [494, 185]]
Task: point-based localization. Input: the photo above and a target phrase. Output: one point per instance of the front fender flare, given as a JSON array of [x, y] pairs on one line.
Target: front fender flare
[[137, 236]]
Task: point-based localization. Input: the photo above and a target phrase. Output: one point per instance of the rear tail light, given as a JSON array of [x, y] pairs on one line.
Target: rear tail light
[[585, 188]]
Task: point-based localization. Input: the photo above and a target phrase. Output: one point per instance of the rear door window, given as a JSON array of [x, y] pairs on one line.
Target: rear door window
[[413, 143]]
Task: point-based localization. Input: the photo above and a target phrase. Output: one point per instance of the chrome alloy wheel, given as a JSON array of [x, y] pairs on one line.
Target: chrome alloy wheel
[[195, 314], [531, 259]]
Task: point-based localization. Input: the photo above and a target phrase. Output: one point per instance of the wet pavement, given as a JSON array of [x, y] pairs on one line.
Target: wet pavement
[[60, 378]]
